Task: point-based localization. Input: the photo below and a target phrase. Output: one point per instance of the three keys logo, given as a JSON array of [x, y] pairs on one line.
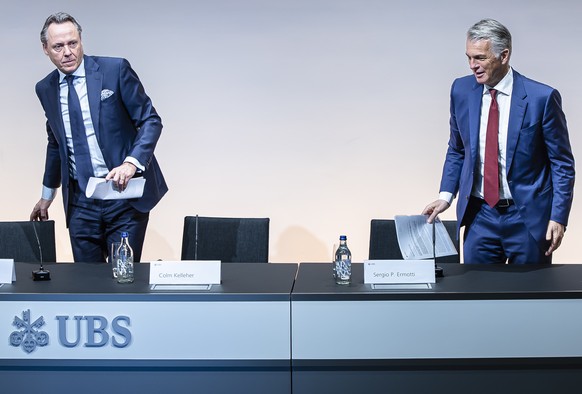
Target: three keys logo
[[29, 336]]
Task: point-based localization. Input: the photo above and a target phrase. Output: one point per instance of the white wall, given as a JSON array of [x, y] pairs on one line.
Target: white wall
[[320, 114]]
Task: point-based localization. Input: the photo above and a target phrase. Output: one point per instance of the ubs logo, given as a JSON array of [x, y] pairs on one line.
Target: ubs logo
[[86, 331], [28, 337]]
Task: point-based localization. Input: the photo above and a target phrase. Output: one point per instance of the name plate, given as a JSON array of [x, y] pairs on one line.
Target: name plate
[[399, 271], [197, 272], [7, 271]]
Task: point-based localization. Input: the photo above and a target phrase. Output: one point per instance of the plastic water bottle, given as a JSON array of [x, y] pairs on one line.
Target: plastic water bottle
[[124, 260], [342, 265]]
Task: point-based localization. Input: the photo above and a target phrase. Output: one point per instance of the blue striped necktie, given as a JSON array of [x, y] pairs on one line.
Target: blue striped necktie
[[82, 154]]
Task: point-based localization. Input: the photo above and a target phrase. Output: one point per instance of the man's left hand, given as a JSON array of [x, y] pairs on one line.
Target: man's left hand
[[554, 234], [121, 175]]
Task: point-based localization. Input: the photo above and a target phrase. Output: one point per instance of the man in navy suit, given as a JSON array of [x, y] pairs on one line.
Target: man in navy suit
[[109, 128], [519, 213]]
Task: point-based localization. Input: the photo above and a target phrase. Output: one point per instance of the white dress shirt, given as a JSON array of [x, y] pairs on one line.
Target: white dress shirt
[[80, 84]]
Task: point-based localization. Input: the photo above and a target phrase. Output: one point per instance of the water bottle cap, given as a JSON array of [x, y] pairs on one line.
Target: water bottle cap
[[124, 234], [343, 238]]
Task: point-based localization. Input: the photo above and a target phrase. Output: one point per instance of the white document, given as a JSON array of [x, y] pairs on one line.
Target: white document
[[100, 189], [7, 271], [415, 238]]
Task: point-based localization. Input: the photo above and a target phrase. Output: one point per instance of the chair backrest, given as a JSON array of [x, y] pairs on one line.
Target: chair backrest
[[243, 240], [20, 241], [384, 241]]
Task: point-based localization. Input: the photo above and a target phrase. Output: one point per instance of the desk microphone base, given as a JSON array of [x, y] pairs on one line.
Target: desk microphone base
[[41, 274]]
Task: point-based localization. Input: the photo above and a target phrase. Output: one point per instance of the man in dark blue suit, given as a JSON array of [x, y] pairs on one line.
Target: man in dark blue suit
[[509, 157], [101, 123]]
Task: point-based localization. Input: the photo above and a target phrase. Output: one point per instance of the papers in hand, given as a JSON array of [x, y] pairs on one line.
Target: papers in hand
[[415, 238], [100, 189]]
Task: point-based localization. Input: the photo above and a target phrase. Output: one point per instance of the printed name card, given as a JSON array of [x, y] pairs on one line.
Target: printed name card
[[7, 271], [197, 272], [399, 271]]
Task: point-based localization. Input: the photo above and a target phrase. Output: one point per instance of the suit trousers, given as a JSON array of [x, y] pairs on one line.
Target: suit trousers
[[499, 235], [95, 224]]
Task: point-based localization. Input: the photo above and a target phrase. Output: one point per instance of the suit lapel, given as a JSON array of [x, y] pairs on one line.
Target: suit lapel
[[53, 110], [53, 106], [475, 98], [94, 85], [516, 115]]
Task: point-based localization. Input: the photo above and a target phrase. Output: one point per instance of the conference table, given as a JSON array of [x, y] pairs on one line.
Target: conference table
[[479, 329], [90, 334], [288, 328]]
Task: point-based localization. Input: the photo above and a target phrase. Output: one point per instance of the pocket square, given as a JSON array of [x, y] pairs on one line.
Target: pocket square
[[106, 93]]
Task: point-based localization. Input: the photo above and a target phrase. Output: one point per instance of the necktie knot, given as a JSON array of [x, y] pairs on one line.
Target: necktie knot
[[70, 78], [493, 93]]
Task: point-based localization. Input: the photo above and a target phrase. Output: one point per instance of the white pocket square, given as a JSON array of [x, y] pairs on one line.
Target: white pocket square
[[106, 93]]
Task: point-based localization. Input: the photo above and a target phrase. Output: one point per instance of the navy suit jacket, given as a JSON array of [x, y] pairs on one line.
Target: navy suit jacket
[[126, 124], [540, 164]]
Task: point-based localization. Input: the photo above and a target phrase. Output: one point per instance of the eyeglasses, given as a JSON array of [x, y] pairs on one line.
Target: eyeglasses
[[59, 47]]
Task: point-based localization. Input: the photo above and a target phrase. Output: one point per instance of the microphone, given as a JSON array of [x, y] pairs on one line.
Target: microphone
[[439, 273], [40, 274]]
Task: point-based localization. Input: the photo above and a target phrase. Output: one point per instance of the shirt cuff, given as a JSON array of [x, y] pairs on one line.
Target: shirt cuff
[[446, 196], [134, 161], [48, 193]]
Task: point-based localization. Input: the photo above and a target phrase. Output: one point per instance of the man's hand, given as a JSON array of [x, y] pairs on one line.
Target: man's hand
[[121, 175], [434, 208], [40, 210], [554, 234]]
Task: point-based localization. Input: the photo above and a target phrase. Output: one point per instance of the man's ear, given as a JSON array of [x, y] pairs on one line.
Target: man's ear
[[505, 56]]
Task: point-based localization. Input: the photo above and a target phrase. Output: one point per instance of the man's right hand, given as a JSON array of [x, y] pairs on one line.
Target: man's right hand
[[434, 208], [40, 210]]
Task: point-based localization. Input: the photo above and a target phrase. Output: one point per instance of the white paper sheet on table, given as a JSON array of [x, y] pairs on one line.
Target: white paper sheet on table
[[100, 189]]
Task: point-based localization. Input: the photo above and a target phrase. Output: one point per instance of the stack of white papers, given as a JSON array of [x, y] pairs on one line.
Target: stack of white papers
[[416, 239], [100, 189]]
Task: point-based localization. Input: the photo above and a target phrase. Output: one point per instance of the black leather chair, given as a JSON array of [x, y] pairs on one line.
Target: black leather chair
[[230, 240], [384, 241], [28, 241]]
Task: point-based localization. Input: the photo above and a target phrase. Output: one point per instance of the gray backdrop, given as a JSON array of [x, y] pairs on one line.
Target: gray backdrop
[[320, 114]]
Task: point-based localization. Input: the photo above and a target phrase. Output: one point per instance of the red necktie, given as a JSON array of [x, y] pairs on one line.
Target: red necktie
[[491, 171]]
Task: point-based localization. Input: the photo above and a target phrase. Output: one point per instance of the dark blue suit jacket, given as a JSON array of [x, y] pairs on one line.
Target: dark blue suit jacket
[[540, 164], [126, 124]]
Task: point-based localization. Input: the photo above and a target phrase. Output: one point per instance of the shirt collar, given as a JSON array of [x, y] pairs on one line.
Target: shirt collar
[[505, 86], [79, 72]]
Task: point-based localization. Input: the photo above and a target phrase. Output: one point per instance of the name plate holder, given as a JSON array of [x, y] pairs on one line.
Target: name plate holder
[[192, 275], [399, 274], [7, 272]]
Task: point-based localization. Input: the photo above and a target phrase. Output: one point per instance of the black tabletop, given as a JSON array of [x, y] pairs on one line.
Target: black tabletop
[[268, 281], [315, 282], [239, 281]]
